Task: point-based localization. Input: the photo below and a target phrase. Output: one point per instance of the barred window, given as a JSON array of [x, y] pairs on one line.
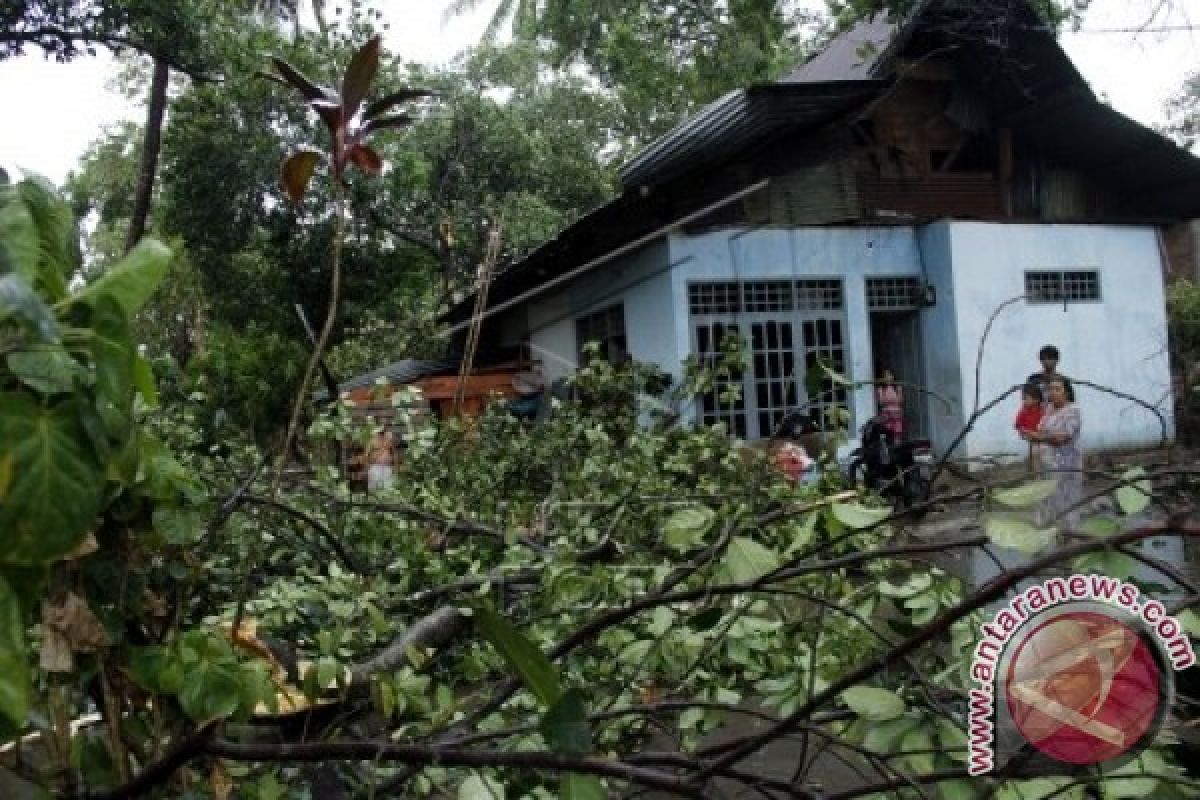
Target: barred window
[[820, 294], [715, 298], [1063, 286], [605, 328], [731, 297], [901, 293]]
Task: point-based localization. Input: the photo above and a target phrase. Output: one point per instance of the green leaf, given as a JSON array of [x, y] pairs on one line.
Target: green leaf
[[920, 748], [359, 74], [179, 525], [15, 683], [112, 353], [686, 528], [856, 516], [530, 663], [1134, 497], [565, 726], [143, 381], [883, 737], [58, 244], [581, 787], [133, 279], [747, 560], [296, 172], [1027, 495], [877, 705], [1100, 526], [1017, 535], [49, 371], [210, 692], [17, 299], [1190, 621], [477, 787], [19, 236], [56, 487]]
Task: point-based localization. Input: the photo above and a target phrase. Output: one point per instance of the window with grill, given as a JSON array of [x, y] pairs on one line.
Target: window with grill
[[900, 293], [605, 328], [726, 403], [1063, 286], [731, 297], [790, 330], [819, 294]]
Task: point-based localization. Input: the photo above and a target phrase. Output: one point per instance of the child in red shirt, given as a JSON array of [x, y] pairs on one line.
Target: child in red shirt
[[1030, 415]]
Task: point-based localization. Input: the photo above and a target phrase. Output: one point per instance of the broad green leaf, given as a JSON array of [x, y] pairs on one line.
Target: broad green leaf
[[581, 787], [133, 279], [536, 671], [1016, 534], [19, 300], [1135, 496], [296, 172], [958, 790], [56, 488], [856, 516], [143, 381], [210, 692], [802, 533], [1026, 495], [19, 236], [747, 560], [14, 665], [565, 726], [686, 528], [111, 349], [49, 371], [877, 705], [359, 74], [953, 740], [914, 585], [919, 746], [884, 737], [477, 787], [1100, 526], [58, 244]]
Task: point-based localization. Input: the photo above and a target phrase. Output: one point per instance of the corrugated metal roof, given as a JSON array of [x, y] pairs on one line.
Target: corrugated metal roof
[[401, 372], [852, 56], [726, 126]]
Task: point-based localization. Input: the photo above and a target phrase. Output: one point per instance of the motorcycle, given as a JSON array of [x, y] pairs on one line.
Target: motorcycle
[[900, 471]]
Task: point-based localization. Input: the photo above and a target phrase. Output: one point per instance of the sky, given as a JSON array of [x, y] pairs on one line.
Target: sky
[[53, 111]]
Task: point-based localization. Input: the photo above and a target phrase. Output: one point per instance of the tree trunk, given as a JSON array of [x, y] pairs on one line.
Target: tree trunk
[[151, 145]]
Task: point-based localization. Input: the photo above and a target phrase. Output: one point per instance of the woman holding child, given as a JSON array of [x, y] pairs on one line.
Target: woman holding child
[[1057, 452]]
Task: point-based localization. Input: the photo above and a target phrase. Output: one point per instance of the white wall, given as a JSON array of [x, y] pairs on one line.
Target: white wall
[[1119, 343], [853, 254], [641, 282]]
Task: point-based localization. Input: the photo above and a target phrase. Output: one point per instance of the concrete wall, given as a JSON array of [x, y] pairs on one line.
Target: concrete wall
[[852, 254], [641, 281], [940, 342], [1119, 342]]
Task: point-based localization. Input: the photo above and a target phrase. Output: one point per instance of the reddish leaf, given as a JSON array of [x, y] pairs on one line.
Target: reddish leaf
[[299, 81], [366, 159], [394, 99], [363, 66], [387, 121], [330, 113], [296, 172]]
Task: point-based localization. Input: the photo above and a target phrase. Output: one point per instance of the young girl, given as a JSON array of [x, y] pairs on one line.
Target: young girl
[[1030, 417], [889, 397]]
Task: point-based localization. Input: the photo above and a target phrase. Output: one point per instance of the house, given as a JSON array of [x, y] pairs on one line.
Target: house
[[880, 205]]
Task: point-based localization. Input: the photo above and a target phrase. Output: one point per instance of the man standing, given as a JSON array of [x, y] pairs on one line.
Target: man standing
[[1048, 355]]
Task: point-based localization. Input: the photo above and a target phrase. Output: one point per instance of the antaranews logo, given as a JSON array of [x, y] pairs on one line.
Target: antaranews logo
[[1080, 669]]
